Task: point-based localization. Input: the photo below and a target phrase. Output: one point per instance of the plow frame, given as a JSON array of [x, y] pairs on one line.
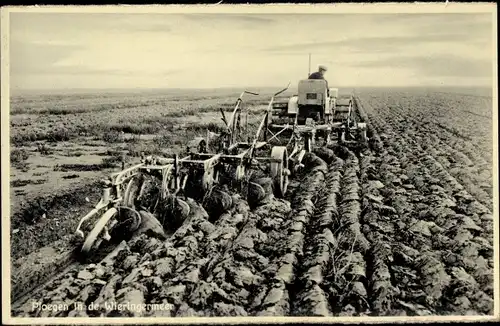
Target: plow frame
[[282, 161], [242, 155], [347, 129], [175, 171]]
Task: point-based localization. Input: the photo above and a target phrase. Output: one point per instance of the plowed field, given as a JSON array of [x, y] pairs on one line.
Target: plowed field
[[404, 227]]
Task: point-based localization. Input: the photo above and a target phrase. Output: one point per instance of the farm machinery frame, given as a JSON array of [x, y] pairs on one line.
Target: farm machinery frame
[[200, 166], [317, 111]]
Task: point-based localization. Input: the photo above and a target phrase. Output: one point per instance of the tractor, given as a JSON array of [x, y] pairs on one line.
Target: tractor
[[318, 112], [312, 102]]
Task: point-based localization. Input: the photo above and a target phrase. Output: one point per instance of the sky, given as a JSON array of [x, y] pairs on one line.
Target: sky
[[210, 50]]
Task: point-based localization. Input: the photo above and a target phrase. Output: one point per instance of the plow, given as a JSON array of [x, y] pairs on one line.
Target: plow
[[191, 176], [286, 132]]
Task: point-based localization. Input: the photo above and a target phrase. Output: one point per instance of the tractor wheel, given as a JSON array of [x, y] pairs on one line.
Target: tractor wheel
[[279, 170], [92, 237]]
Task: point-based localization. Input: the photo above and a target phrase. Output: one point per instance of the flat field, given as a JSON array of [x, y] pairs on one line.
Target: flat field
[[404, 227]]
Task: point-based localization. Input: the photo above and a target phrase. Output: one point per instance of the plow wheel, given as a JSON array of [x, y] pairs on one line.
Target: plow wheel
[[92, 240], [279, 170]]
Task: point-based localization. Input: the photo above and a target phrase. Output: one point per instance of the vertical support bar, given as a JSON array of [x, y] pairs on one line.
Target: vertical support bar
[[106, 193], [246, 121], [266, 126], [176, 173], [238, 125], [309, 66]]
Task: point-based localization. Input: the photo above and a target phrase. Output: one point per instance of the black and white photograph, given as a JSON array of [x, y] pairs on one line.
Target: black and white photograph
[[249, 163]]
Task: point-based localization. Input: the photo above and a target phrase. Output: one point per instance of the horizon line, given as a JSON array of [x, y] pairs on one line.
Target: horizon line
[[231, 87]]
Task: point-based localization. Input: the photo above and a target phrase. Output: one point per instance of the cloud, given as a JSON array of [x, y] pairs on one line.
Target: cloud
[[78, 24], [373, 44], [83, 70], [204, 50], [310, 46], [397, 42], [386, 33], [421, 18], [235, 18], [28, 57], [464, 23], [435, 66]]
